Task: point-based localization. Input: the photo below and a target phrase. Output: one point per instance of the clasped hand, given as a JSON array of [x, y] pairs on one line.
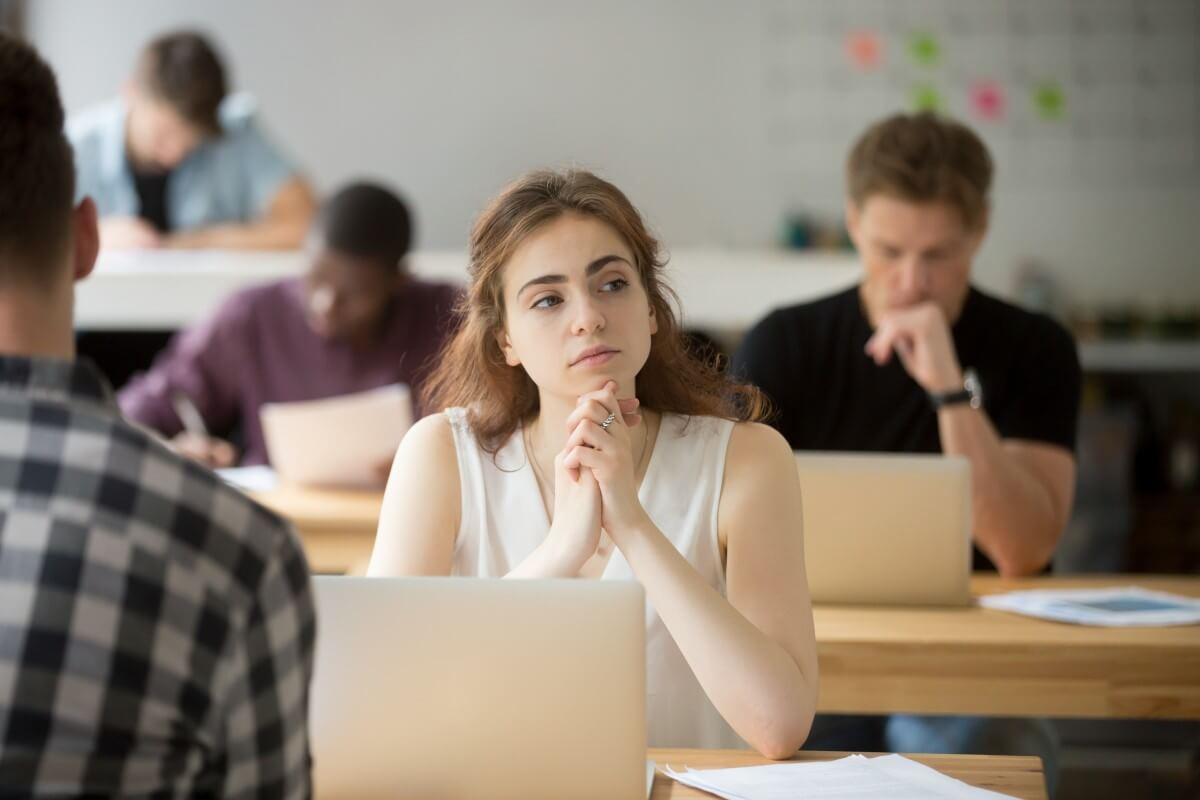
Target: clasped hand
[[595, 486]]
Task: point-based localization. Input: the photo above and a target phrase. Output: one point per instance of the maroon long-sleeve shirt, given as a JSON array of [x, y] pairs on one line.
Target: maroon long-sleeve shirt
[[258, 348]]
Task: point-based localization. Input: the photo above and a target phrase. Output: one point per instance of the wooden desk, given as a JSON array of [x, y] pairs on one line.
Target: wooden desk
[[977, 661], [337, 526], [1018, 776], [916, 660]]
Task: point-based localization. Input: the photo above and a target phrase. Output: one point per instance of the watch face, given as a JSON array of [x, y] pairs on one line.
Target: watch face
[[973, 387]]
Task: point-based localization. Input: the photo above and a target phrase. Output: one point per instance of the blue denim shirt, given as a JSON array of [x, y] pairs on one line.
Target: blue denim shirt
[[230, 178]]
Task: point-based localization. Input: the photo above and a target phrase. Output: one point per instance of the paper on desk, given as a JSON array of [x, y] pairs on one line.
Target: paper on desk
[[1123, 606], [852, 778], [339, 441], [259, 478]]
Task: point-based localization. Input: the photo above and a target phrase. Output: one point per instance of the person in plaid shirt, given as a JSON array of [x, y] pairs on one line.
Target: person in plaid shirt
[[156, 626]]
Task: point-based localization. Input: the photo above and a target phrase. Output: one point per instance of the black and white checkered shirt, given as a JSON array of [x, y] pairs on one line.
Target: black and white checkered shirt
[[156, 626]]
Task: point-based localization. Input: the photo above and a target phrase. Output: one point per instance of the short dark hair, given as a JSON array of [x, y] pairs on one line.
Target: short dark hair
[[922, 158], [183, 70], [37, 169], [368, 221]]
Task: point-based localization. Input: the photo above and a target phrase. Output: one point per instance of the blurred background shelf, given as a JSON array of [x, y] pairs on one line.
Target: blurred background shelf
[[1140, 356]]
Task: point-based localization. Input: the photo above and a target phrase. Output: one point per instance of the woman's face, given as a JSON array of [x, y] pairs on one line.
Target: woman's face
[[576, 313]]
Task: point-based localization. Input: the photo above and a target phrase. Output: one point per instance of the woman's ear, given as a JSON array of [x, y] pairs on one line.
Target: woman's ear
[[653, 321], [510, 355]]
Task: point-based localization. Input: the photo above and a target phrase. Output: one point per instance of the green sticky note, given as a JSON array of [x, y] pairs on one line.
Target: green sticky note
[[925, 97], [924, 49], [1049, 101]]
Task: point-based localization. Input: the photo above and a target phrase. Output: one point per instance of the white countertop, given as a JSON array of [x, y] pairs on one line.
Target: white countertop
[[719, 290]]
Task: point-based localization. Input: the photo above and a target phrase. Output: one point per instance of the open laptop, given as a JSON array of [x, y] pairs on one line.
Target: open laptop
[[471, 687], [886, 529], [337, 441]]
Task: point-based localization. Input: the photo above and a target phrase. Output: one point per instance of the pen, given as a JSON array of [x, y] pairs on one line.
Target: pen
[[188, 414]]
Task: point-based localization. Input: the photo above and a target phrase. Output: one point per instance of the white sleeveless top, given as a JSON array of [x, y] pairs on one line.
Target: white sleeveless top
[[504, 520]]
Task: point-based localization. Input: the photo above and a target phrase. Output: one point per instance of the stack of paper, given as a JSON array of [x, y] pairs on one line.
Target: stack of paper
[[1127, 606], [250, 479], [894, 777]]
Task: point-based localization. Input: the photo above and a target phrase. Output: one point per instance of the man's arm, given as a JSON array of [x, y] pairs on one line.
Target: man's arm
[[282, 227], [200, 369], [1022, 490]]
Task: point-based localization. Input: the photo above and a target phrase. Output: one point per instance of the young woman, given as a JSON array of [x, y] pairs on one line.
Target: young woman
[[580, 439]]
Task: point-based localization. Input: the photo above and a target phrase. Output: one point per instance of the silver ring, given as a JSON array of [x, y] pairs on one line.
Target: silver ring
[[608, 421]]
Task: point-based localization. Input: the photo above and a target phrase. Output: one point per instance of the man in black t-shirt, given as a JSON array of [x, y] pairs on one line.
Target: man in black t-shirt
[[914, 359]]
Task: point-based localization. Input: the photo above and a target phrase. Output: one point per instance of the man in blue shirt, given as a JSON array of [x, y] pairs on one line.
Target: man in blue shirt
[[177, 162]]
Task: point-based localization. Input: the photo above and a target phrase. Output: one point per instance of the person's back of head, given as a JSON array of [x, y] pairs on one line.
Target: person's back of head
[[366, 221], [182, 70], [922, 158], [37, 172]]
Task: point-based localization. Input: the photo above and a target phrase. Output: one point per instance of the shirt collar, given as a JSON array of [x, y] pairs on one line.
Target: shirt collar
[[112, 154], [55, 379]]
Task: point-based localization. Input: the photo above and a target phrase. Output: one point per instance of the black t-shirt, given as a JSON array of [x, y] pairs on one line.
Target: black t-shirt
[[151, 188], [829, 395]]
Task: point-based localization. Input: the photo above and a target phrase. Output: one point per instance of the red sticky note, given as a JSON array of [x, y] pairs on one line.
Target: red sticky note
[[864, 49], [988, 100]]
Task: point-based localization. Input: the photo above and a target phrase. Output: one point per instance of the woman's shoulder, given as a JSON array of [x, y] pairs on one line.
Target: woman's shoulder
[[756, 445], [753, 435], [435, 432]]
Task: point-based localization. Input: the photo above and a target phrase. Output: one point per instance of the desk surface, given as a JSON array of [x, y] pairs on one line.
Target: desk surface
[[1018, 776], [978, 661], [337, 526], [917, 660]]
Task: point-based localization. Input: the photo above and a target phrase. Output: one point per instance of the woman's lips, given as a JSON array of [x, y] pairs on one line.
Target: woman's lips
[[596, 360]]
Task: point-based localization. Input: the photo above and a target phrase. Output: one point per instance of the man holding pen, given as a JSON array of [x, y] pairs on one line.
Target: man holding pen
[[356, 320]]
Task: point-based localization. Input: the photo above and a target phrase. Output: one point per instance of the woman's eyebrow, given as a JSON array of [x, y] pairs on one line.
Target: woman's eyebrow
[[592, 268]]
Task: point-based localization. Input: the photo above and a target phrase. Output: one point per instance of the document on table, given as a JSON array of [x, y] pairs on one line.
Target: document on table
[[1124, 606], [339, 441], [850, 778], [259, 478]]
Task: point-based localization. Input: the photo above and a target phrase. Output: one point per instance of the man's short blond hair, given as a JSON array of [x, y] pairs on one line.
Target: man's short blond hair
[[922, 158]]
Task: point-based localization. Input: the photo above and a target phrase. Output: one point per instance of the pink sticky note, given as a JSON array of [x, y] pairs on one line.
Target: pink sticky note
[[988, 100], [864, 49]]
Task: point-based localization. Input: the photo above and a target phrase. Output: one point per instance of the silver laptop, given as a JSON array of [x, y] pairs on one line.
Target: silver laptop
[[471, 687], [887, 529]]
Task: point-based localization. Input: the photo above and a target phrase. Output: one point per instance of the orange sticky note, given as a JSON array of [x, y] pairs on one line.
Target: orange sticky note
[[864, 49]]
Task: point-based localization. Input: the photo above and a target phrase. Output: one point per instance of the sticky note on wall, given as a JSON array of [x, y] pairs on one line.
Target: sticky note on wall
[[988, 100], [864, 49], [1049, 100], [924, 49], [925, 97]]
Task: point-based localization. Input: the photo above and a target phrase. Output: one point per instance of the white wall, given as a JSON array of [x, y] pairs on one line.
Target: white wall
[[448, 100]]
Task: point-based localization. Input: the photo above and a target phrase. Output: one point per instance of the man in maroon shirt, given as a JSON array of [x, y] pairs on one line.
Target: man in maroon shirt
[[356, 320]]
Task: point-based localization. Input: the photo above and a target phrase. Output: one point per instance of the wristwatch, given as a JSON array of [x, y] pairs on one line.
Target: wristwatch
[[972, 393]]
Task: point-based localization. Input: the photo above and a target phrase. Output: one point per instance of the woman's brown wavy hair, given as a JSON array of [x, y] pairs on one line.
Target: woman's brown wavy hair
[[471, 371]]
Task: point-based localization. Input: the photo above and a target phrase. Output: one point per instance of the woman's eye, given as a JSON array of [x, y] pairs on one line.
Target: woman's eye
[[549, 301], [615, 285]]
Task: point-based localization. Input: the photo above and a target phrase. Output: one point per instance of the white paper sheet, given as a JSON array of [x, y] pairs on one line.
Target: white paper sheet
[[1124, 606], [340, 441], [250, 479], [852, 778]]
